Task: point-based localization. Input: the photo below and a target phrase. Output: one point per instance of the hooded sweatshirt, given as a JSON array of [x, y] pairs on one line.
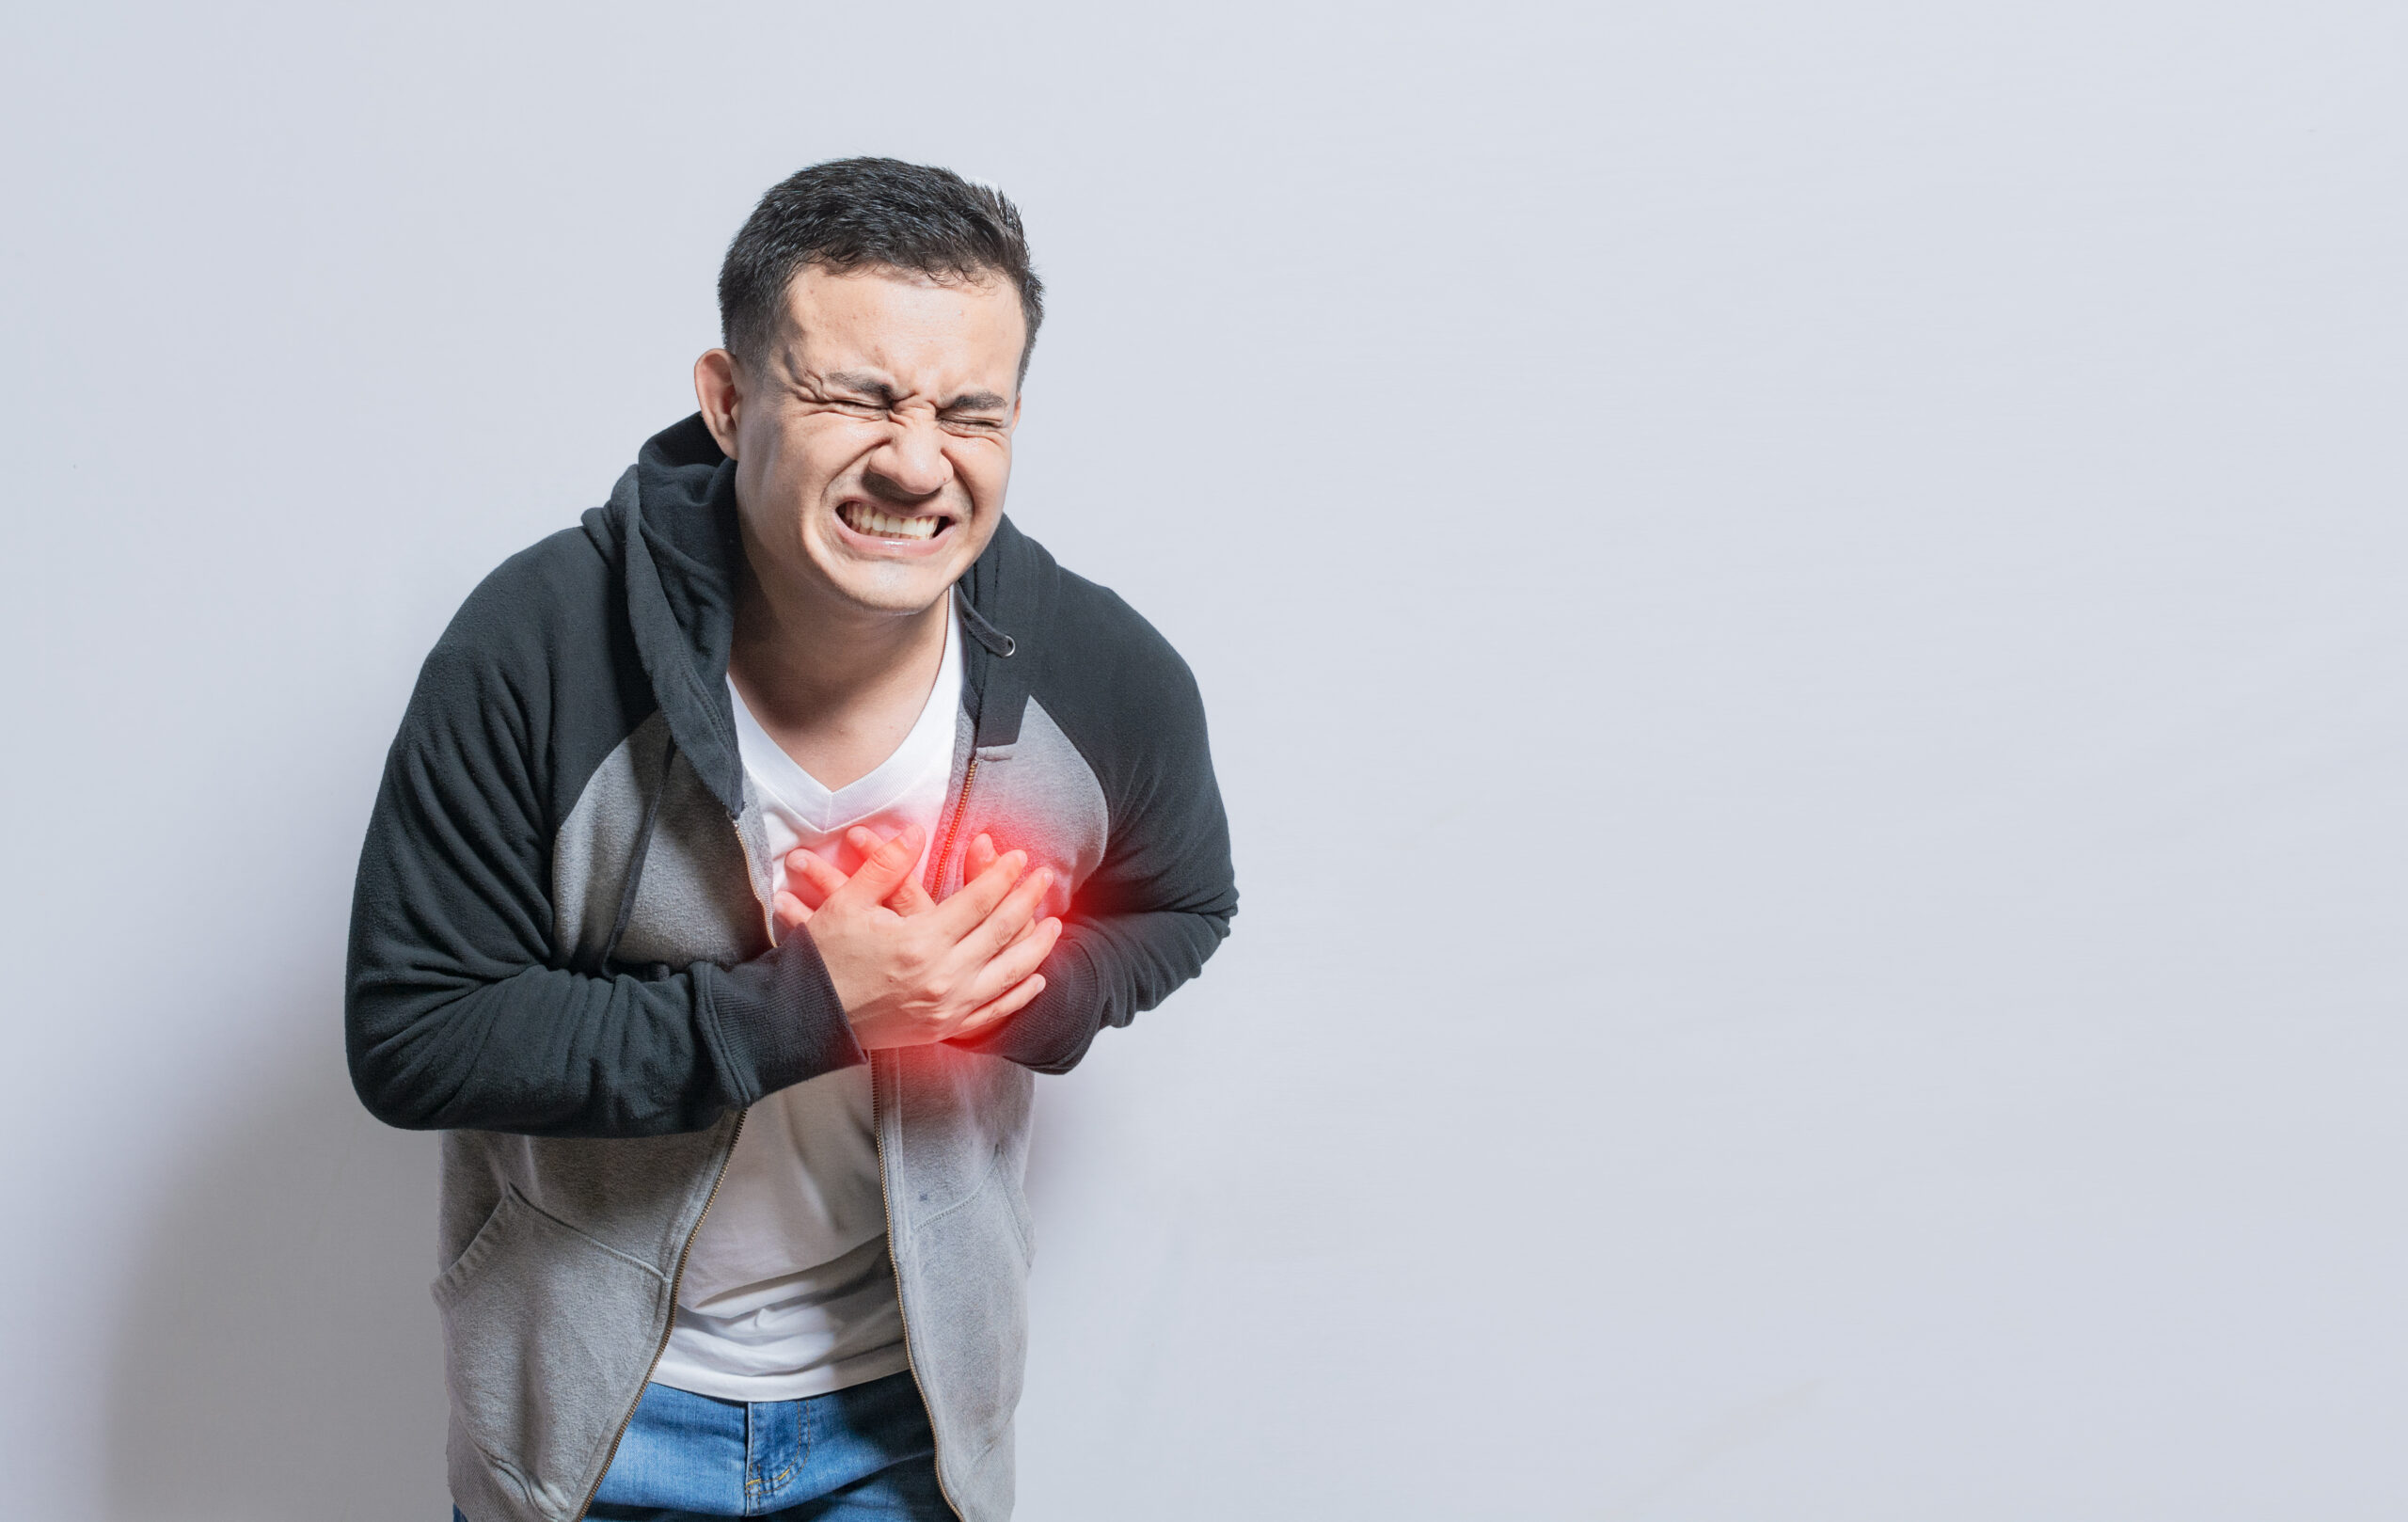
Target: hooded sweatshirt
[[563, 957]]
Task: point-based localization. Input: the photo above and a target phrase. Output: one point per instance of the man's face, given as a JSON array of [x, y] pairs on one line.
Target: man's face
[[873, 438]]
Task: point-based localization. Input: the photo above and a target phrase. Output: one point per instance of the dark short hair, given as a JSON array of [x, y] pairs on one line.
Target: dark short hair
[[863, 214]]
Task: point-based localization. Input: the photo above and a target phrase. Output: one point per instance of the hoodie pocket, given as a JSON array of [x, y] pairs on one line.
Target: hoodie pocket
[[547, 1336], [971, 1297]]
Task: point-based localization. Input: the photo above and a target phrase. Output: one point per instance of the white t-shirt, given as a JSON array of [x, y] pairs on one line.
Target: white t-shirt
[[787, 1292]]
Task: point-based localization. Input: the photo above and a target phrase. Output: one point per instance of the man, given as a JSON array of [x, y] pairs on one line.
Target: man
[[742, 852]]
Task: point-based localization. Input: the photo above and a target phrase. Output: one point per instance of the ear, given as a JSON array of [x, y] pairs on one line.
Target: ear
[[719, 389]]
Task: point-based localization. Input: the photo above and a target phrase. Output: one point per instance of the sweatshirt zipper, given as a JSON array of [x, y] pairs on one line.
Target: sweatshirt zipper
[[676, 1279], [877, 1135], [670, 1325], [953, 826], [885, 1187]]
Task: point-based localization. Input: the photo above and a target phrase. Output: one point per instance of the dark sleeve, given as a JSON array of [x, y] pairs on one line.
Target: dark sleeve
[[1160, 901], [457, 1014]]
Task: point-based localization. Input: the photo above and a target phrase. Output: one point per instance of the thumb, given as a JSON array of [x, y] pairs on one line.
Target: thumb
[[887, 866]]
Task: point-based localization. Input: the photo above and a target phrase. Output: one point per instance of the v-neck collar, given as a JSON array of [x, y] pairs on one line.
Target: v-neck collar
[[826, 810]]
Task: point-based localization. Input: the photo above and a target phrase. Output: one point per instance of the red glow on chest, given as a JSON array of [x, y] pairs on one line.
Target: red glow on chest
[[1006, 835]]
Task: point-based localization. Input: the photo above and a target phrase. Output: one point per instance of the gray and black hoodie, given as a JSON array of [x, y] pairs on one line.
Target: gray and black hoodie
[[563, 956]]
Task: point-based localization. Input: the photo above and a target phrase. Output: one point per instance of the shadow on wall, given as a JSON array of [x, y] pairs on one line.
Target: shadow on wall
[[278, 1359]]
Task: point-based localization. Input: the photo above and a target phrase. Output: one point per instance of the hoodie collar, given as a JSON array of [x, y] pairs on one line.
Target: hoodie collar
[[674, 515]]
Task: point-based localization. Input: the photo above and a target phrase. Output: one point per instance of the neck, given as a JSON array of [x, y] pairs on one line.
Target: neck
[[806, 658]]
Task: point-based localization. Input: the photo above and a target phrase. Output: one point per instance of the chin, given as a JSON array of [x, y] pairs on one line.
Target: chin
[[895, 589]]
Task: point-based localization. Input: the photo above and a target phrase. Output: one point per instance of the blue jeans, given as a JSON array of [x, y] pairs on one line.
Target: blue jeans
[[847, 1456]]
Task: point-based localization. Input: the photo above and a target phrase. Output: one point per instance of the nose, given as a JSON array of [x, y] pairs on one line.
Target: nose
[[911, 466]]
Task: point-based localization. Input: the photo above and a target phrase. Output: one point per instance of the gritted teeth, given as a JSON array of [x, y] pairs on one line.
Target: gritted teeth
[[863, 518]]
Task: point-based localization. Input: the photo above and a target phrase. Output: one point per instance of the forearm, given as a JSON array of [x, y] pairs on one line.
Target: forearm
[[1105, 971], [545, 1052]]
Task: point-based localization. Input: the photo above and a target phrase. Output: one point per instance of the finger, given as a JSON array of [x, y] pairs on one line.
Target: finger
[[1003, 925], [811, 877], [865, 843], [1015, 962], [965, 911], [911, 898], [1002, 1007], [887, 868], [791, 911], [982, 855]]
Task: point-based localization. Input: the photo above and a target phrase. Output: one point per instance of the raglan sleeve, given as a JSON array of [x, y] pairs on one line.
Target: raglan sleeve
[[459, 1013], [1160, 901]]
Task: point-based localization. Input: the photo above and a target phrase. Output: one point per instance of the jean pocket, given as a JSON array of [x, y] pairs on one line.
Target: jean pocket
[[547, 1336]]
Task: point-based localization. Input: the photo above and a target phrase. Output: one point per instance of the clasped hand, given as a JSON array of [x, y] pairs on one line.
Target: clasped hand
[[907, 970]]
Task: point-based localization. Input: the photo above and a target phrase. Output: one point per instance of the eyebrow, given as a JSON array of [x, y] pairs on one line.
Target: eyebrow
[[861, 381], [872, 386]]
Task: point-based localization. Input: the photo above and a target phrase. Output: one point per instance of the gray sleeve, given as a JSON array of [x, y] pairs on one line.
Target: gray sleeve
[[1160, 901]]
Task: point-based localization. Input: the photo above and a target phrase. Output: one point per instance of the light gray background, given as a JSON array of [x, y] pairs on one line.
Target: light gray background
[[1802, 611]]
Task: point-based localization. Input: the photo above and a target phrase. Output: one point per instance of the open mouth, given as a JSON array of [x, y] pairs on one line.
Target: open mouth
[[877, 523]]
